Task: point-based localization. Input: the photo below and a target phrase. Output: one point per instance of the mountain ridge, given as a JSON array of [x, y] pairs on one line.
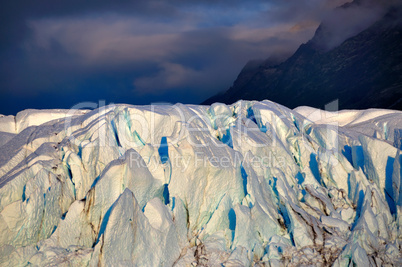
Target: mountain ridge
[[364, 71]]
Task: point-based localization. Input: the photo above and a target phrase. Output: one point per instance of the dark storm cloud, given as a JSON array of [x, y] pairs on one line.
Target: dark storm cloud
[[57, 53], [347, 21]]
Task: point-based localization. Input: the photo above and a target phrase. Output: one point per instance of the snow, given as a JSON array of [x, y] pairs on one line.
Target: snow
[[247, 184], [344, 117]]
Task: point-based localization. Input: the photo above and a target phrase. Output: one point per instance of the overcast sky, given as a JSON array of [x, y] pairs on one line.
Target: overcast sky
[[55, 54]]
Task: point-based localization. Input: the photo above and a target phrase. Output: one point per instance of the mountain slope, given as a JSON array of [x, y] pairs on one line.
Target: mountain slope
[[362, 72]]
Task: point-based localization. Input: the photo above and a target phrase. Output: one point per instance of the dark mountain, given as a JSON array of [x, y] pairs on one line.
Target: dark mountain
[[364, 71]]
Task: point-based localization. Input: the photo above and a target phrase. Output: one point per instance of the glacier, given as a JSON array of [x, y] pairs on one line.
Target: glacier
[[247, 184]]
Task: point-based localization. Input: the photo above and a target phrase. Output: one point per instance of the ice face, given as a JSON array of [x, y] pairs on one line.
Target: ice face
[[248, 184]]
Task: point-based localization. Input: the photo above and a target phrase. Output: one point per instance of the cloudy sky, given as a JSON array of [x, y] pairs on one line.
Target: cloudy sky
[[55, 54]]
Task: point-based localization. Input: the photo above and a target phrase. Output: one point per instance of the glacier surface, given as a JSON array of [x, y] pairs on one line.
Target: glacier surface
[[250, 184]]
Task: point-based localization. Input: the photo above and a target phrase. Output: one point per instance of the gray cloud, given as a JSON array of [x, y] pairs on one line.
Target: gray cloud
[[345, 22], [154, 47], [194, 57]]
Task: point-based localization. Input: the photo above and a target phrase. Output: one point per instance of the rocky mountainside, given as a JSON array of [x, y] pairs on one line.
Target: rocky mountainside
[[364, 71]]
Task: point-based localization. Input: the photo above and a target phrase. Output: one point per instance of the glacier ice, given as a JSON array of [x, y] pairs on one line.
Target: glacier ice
[[247, 184]]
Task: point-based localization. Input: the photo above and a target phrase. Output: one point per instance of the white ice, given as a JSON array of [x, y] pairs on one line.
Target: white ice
[[247, 184]]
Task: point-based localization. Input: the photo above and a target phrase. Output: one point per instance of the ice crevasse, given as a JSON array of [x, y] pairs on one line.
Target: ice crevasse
[[247, 184]]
